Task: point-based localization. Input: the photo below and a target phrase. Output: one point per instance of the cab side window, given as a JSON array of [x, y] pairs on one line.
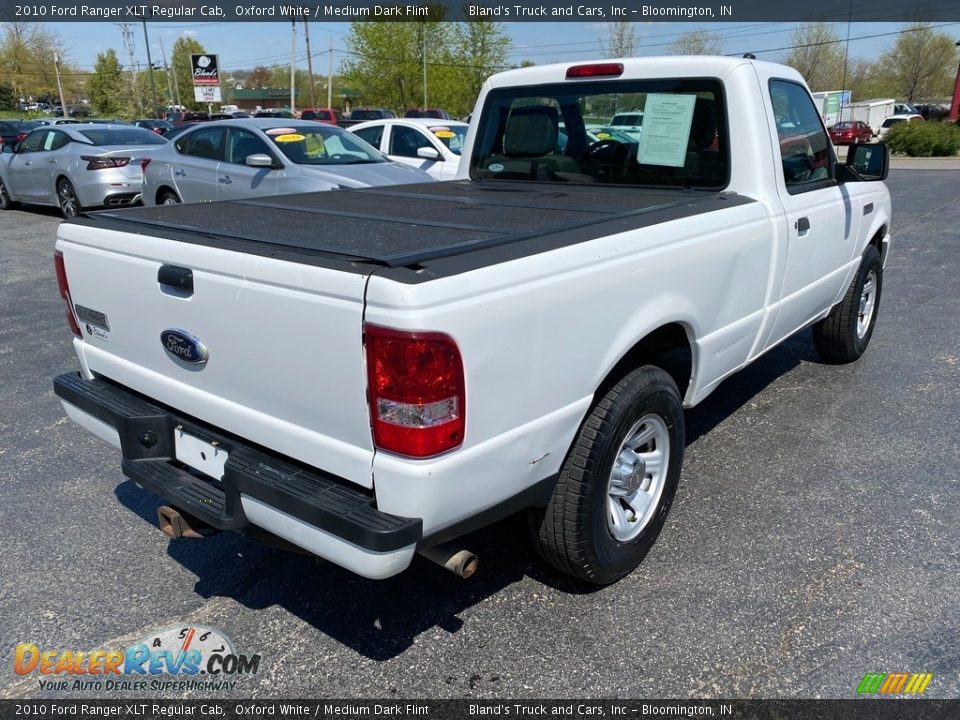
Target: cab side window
[[34, 141], [206, 143], [244, 143], [405, 141], [372, 135], [804, 145]]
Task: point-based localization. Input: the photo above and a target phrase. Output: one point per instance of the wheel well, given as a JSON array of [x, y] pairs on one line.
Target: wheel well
[[879, 244], [668, 347], [162, 190]]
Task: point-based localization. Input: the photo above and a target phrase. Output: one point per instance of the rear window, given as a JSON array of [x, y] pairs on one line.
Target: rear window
[[122, 136], [683, 141], [892, 121]]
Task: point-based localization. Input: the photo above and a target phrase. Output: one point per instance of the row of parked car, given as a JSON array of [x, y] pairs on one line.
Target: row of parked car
[[79, 166], [849, 132]]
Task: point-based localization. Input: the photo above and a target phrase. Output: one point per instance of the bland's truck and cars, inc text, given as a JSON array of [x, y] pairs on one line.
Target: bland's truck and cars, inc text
[[367, 374]]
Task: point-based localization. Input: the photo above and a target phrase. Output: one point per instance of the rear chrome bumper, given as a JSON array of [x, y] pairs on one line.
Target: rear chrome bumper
[[305, 506]]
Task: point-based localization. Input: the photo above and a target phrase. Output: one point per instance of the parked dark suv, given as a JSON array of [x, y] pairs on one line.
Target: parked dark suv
[[189, 116]]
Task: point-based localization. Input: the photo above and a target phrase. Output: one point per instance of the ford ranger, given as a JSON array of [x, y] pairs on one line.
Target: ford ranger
[[368, 374]]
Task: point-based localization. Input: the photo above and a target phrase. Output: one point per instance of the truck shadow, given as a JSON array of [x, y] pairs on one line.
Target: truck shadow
[[381, 619]]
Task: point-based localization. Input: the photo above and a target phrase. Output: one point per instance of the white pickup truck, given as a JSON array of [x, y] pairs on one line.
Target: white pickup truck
[[367, 374]]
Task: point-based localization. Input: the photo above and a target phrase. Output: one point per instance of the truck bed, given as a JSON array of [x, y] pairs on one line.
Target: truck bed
[[411, 225]]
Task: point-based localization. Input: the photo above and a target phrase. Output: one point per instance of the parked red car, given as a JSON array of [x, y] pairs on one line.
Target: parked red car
[[324, 115], [849, 132]]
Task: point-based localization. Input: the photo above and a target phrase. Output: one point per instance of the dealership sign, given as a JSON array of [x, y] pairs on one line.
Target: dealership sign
[[206, 69], [207, 94]]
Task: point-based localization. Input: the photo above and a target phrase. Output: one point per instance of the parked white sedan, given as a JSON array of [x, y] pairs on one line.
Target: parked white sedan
[[243, 158], [426, 143]]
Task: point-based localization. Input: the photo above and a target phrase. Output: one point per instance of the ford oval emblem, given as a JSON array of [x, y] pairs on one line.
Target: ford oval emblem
[[183, 346]]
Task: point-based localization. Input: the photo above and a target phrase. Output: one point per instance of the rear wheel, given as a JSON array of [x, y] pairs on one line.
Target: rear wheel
[[168, 197], [618, 481], [5, 202], [67, 199], [844, 334]]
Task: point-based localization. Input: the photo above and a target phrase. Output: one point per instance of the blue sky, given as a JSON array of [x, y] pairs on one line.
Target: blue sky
[[243, 45]]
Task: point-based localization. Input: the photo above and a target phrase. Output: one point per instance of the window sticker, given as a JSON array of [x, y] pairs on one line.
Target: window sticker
[[290, 137], [280, 131], [444, 134], [666, 129], [48, 141]]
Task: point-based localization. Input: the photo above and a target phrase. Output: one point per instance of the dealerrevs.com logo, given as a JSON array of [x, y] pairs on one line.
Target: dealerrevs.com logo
[[894, 683], [182, 658]]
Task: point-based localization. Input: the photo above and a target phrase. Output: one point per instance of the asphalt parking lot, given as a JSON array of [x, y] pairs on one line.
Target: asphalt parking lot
[[815, 536]]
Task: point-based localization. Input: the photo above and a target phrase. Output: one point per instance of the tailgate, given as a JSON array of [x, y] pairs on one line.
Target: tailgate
[[284, 365]]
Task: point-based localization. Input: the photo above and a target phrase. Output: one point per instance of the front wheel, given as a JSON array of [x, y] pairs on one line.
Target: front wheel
[[844, 334], [67, 199], [618, 481]]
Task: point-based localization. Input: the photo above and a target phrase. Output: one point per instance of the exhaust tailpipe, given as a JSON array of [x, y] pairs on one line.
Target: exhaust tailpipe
[[175, 524], [455, 559]]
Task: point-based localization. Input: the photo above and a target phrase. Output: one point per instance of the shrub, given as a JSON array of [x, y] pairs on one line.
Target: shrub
[[924, 139]]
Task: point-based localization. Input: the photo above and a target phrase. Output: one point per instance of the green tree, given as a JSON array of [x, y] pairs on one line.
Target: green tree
[[183, 48], [818, 55], [8, 99], [482, 47], [698, 42], [386, 61], [27, 56], [921, 63], [105, 85], [258, 78]]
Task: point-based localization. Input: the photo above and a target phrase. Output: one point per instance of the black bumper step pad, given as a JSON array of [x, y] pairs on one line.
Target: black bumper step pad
[[149, 458]]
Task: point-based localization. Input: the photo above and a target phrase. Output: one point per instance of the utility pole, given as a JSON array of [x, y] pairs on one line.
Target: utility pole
[[128, 42], [423, 30], [330, 74], [306, 36], [293, 61], [153, 83], [955, 105], [63, 100], [170, 74]]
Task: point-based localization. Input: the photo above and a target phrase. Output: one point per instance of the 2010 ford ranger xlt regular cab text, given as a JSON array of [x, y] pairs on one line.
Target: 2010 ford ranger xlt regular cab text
[[366, 374]]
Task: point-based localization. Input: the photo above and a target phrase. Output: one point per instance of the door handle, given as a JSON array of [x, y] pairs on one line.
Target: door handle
[[226, 180], [27, 162], [53, 161], [179, 173], [175, 280], [802, 225]]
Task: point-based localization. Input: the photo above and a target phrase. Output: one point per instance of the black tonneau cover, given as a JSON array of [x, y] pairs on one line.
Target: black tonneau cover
[[411, 225]]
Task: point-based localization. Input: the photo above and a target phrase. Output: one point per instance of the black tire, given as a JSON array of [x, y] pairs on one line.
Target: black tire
[[5, 202], [67, 199], [573, 533], [841, 337], [168, 197]]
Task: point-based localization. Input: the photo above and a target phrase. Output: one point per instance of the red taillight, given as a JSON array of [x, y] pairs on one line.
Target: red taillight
[[595, 70], [416, 391], [20, 137], [104, 162], [144, 163], [65, 291]]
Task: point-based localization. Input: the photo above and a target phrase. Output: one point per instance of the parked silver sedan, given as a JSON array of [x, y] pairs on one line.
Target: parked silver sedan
[[251, 157], [75, 167]]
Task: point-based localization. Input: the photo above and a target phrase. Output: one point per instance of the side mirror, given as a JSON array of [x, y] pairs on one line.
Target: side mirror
[[259, 160], [428, 153], [870, 161]]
